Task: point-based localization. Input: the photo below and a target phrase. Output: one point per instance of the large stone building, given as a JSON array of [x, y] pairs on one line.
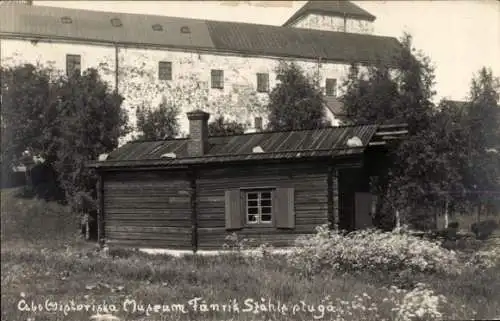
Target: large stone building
[[222, 67]]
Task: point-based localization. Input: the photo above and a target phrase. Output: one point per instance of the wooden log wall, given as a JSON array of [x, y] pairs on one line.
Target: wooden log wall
[[149, 209], [310, 182]]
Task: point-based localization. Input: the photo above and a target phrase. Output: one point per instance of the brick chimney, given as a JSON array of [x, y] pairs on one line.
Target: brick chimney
[[198, 132]]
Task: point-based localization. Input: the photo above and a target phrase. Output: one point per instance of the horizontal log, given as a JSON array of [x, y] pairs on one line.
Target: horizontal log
[[113, 221], [137, 204], [258, 231], [149, 229], [177, 237], [149, 244], [163, 211], [156, 223]]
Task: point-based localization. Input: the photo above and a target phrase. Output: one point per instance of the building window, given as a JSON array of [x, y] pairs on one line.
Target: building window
[[66, 20], [259, 207], [331, 87], [165, 70], [116, 22], [73, 64], [217, 79], [263, 82], [157, 27], [267, 207]]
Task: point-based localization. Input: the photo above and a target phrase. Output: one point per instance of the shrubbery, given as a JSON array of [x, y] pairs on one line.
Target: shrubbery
[[36, 220], [372, 250]]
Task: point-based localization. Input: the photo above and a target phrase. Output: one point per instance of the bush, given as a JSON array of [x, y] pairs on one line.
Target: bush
[[484, 229], [36, 220], [372, 250]]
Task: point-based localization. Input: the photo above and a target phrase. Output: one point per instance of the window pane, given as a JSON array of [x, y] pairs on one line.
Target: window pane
[[253, 210], [253, 203], [73, 64], [217, 78], [262, 82], [265, 202], [253, 196], [165, 70], [265, 195], [266, 210], [266, 218], [331, 87], [252, 219]]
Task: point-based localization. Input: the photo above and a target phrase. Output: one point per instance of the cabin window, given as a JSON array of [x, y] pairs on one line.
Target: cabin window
[[331, 87], [217, 77], [73, 64], [263, 82], [259, 207], [165, 70]]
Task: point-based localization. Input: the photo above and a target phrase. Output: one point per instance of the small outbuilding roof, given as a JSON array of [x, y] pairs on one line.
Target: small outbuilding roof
[[286, 145]]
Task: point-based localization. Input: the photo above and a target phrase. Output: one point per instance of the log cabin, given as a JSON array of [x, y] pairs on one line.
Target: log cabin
[[191, 193]]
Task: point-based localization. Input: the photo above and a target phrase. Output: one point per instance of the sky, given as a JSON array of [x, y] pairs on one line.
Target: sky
[[460, 37]]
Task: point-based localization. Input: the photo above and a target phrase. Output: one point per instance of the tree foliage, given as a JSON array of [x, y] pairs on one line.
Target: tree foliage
[[425, 168], [482, 175], [223, 127], [158, 123], [65, 121], [296, 102]]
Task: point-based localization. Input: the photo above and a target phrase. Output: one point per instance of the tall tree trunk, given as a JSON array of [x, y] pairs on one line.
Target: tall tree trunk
[[446, 218]]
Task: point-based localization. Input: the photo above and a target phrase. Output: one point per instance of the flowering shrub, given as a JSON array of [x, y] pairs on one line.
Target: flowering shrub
[[372, 250], [420, 303], [393, 303], [484, 259]]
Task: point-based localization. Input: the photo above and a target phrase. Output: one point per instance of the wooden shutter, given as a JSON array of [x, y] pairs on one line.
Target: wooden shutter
[[284, 208], [234, 215]]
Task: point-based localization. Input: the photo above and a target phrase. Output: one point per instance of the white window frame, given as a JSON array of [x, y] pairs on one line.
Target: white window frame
[[259, 207]]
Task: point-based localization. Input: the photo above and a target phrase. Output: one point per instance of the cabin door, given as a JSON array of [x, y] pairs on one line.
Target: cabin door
[[363, 210]]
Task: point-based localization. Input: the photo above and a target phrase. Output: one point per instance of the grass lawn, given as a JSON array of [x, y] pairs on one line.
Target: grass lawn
[[42, 268]]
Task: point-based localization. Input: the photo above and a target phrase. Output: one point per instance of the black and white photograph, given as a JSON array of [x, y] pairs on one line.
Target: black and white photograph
[[250, 160]]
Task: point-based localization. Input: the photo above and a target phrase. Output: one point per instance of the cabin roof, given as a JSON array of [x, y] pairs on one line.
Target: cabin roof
[[285, 145], [331, 8], [43, 22]]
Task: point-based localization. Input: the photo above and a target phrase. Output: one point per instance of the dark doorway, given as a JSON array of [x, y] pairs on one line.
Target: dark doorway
[[353, 197]]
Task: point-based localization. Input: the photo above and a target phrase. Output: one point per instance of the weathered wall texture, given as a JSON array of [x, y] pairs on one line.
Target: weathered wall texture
[[190, 86], [310, 204], [147, 209], [330, 23], [15, 52]]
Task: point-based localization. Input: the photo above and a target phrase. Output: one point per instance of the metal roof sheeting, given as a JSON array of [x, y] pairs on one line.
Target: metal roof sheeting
[[331, 142], [17, 20]]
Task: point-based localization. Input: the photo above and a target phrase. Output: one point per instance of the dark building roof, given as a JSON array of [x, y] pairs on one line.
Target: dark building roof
[[331, 8], [327, 142], [17, 20]]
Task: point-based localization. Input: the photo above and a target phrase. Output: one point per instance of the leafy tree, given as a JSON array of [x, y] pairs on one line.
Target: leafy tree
[[65, 121], [425, 168], [27, 114], [223, 127], [90, 122], [482, 174], [159, 123], [296, 102]]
